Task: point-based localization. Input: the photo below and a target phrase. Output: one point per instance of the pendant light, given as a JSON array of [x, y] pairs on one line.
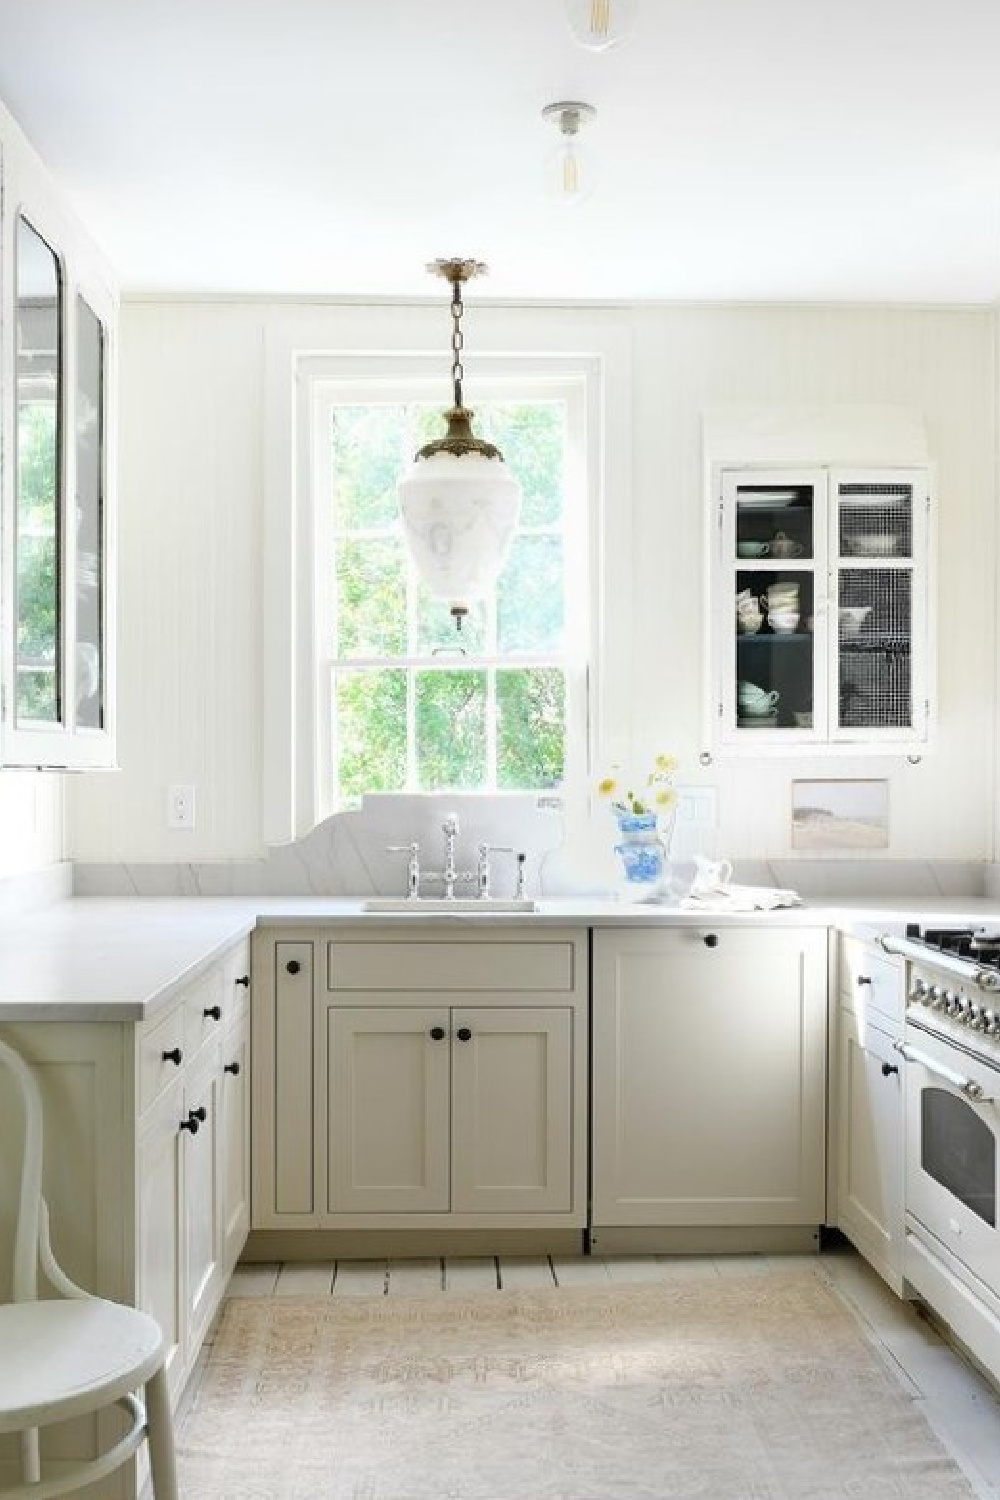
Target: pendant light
[[459, 503], [570, 171], [599, 24]]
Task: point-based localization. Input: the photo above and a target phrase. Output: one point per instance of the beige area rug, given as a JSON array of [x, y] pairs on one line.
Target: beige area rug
[[750, 1388]]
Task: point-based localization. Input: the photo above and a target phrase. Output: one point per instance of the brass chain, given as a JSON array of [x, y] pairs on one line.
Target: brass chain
[[457, 340]]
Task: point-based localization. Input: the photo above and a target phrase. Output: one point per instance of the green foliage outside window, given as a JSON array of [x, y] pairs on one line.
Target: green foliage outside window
[[445, 698], [37, 555]]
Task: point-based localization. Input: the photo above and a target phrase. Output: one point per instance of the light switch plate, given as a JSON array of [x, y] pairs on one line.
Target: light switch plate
[[697, 806]]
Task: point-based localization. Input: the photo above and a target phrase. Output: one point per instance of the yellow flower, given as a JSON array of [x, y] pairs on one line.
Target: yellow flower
[[607, 787], [666, 763], [665, 799]]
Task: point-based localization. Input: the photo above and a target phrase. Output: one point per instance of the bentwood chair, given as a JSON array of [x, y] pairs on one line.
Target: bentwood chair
[[76, 1354]]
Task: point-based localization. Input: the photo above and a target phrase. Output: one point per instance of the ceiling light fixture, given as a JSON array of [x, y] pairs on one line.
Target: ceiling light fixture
[[598, 24], [459, 503], [570, 171]]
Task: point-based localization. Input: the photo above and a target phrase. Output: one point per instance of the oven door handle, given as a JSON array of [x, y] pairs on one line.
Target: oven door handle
[[966, 1086]]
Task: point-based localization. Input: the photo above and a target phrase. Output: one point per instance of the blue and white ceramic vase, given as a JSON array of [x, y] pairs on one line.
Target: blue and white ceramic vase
[[643, 855]]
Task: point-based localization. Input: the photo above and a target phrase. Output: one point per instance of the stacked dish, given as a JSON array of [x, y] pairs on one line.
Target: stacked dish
[[755, 707]]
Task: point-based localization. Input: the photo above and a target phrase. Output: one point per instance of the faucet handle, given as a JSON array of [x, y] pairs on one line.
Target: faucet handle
[[413, 848], [412, 866]]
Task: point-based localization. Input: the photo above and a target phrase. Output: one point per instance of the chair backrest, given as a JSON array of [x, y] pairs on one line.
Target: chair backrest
[[31, 1235]]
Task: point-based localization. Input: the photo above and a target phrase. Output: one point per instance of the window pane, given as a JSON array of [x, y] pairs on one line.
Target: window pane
[[368, 458], [89, 515], [451, 730], [39, 381], [531, 439], [370, 731], [436, 627], [427, 421], [531, 728], [371, 598], [529, 596]]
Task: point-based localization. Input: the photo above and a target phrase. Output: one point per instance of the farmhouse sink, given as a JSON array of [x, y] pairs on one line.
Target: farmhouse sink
[[441, 906]]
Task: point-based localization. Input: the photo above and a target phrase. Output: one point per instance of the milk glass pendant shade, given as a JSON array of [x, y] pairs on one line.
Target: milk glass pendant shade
[[459, 504], [598, 24]]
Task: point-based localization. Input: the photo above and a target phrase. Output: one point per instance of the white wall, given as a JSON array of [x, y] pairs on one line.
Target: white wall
[[31, 821], [193, 421]]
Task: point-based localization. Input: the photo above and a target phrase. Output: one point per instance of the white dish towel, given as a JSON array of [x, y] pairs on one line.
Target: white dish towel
[[723, 897]]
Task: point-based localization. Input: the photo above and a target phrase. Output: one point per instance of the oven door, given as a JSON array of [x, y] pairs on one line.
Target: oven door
[[952, 1132]]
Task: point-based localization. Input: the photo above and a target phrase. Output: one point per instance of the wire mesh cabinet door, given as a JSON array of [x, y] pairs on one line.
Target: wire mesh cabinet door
[[879, 603]]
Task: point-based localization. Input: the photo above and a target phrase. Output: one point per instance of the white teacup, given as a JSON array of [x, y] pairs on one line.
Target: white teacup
[[784, 546], [783, 621]]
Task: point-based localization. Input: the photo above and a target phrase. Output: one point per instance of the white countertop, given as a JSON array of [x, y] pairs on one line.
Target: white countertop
[[94, 959]]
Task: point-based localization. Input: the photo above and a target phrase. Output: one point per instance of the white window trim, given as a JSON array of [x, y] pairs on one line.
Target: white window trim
[[359, 344]]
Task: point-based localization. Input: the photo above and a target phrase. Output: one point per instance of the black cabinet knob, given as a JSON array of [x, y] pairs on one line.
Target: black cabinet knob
[[213, 1012], [888, 1069], [190, 1124], [244, 980], [711, 939], [233, 1068], [174, 1055], [864, 979], [464, 1034], [201, 1113], [293, 966], [437, 1033]]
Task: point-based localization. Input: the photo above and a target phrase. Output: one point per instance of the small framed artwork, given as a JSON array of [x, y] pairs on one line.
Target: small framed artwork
[[840, 815]]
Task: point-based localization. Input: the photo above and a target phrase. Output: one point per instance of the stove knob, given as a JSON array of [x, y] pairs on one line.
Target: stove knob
[[993, 1023], [974, 1018], [918, 994], [954, 1004], [936, 996]]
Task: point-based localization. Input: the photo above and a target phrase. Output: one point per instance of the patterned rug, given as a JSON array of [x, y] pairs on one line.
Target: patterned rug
[[742, 1388]]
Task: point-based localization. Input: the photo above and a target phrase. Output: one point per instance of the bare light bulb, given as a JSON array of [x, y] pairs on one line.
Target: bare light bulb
[[598, 24], [570, 171]]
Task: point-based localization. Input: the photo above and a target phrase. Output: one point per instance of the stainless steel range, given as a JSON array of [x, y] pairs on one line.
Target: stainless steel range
[[952, 1092]]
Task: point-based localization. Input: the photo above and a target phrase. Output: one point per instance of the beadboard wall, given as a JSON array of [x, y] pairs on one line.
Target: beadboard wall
[[193, 427]]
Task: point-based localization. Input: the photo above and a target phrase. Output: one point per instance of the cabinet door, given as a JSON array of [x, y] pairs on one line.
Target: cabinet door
[[870, 1146], [234, 1108], [878, 545], [512, 1109], [283, 1157], [388, 1109], [160, 1238], [709, 1077], [203, 1252], [770, 625]]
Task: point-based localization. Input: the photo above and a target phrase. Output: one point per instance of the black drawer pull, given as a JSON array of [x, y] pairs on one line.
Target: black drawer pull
[[711, 939], [201, 1113], [213, 1012], [888, 1069], [244, 980], [190, 1124], [233, 1068], [864, 979], [293, 966], [437, 1033], [464, 1034], [175, 1055]]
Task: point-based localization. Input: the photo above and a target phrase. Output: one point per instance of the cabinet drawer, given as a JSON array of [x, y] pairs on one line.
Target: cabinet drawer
[[161, 1054], [871, 982], [236, 980], [207, 1008], [439, 967]]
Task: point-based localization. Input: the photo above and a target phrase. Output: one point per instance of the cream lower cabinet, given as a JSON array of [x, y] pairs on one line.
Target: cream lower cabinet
[[464, 1110], [403, 1079], [870, 1107], [146, 1165], [709, 1080]]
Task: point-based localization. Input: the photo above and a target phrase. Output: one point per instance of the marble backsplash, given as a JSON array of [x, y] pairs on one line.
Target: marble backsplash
[[347, 856]]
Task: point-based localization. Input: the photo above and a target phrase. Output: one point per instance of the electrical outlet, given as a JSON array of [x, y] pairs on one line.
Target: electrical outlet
[[180, 807], [697, 806]]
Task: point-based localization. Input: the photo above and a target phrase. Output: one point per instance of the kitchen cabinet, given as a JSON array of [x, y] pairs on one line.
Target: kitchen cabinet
[[708, 1086], [58, 315], [820, 610], [870, 1106], [146, 1168], [403, 1079]]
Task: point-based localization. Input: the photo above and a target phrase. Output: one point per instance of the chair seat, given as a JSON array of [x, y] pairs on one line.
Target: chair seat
[[61, 1359]]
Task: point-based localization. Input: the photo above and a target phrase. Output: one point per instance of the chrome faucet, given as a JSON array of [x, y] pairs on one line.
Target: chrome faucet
[[450, 876], [412, 866]]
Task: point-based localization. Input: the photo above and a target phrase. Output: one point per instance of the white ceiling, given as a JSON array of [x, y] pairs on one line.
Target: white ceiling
[[748, 149]]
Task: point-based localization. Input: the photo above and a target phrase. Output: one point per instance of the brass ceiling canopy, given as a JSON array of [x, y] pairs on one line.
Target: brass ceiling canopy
[[459, 440]]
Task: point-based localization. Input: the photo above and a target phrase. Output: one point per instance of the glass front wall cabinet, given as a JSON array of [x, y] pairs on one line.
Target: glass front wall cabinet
[[819, 608], [57, 625]]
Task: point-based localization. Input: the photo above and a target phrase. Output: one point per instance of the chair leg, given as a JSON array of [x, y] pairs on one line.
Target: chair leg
[[160, 1437], [31, 1463]]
